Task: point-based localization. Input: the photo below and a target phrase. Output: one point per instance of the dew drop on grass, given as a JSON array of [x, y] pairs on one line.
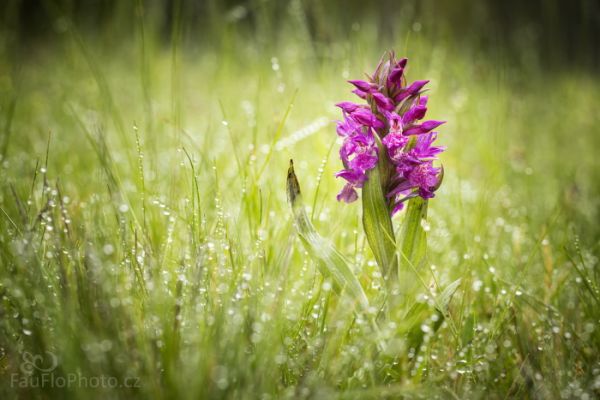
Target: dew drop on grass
[[108, 249], [220, 377], [280, 359], [274, 63]]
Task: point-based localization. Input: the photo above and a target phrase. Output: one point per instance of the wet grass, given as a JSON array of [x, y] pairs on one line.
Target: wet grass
[[145, 234]]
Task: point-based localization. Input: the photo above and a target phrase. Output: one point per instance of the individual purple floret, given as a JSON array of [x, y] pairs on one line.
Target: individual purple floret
[[359, 150], [393, 112]]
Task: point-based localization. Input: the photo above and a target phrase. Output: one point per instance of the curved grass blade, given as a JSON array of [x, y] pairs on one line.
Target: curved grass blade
[[330, 262], [419, 313], [443, 299]]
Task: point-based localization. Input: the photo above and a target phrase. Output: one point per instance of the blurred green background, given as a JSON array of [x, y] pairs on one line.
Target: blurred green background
[[145, 231], [554, 33]]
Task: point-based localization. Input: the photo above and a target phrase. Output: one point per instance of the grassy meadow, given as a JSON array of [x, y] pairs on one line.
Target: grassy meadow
[[145, 235]]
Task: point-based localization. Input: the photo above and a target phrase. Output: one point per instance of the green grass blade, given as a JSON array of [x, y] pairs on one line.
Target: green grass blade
[[443, 299], [331, 263], [420, 313]]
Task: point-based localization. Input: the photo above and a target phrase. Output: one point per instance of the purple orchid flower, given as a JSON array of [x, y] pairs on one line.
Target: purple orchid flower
[[364, 86], [411, 90], [383, 103], [423, 128], [416, 112], [392, 112], [348, 107], [366, 118]]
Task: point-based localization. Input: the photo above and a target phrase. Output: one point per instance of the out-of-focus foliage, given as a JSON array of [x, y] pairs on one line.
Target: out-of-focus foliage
[[555, 32], [144, 228]]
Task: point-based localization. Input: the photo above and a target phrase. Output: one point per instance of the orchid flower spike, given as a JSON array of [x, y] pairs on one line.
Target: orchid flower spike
[[392, 115]]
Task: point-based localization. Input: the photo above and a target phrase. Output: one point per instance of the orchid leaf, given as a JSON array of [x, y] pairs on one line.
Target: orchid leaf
[[377, 222], [412, 243]]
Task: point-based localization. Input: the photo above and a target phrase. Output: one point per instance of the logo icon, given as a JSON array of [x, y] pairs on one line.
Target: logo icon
[[42, 363]]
